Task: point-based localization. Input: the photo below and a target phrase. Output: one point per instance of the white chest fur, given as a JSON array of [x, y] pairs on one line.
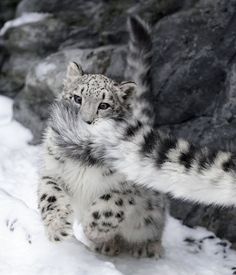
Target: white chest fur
[[84, 184], [88, 183]]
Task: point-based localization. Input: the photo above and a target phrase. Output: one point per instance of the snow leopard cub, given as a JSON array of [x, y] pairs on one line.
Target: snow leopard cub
[[115, 214]]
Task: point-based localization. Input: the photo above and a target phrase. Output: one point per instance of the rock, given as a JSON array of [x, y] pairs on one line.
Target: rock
[[192, 52], [109, 17], [42, 28], [7, 10], [45, 81], [40, 38], [78, 14], [8, 87], [25, 45], [194, 89], [16, 68]]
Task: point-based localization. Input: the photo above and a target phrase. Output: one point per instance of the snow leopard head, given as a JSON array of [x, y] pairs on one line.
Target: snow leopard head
[[97, 95]]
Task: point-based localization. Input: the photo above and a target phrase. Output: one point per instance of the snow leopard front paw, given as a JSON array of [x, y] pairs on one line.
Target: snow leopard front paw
[[59, 226], [57, 232]]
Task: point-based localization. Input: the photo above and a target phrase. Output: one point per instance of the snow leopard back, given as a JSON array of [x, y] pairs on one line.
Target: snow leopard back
[[139, 57]]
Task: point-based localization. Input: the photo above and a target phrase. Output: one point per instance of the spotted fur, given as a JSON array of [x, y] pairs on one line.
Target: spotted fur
[[111, 210], [148, 157], [145, 155], [55, 208], [133, 217], [115, 214], [96, 95]]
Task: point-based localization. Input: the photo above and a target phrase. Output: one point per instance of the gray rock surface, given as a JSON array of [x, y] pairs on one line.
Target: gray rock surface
[[194, 69], [7, 10]]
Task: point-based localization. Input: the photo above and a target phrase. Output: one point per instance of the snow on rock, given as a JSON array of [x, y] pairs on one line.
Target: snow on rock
[[25, 250], [25, 18]]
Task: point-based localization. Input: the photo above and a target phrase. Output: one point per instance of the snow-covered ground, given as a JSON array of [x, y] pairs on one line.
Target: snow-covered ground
[[25, 250]]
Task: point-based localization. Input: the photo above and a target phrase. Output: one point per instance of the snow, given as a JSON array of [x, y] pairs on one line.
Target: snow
[[25, 18], [24, 249]]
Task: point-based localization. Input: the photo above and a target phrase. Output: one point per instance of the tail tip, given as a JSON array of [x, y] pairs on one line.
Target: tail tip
[[138, 27]]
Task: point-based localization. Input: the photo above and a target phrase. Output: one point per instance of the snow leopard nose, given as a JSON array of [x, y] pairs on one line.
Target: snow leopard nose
[[88, 112]]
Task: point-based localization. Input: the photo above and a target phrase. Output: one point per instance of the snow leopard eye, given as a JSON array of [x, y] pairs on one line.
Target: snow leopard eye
[[103, 106], [77, 99]]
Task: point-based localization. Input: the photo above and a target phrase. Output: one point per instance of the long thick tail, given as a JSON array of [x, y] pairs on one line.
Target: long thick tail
[[148, 157], [138, 69]]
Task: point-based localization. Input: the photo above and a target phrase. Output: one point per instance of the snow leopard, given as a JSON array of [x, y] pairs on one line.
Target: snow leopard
[[147, 156], [115, 214]]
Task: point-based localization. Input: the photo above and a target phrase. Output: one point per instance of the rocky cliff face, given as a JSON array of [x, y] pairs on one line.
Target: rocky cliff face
[[194, 71]]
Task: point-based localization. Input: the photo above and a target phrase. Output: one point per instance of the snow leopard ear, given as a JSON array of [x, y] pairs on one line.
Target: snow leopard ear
[[74, 71], [127, 89]]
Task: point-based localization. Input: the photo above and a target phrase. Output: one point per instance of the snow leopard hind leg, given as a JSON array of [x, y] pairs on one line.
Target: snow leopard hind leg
[[128, 220], [144, 227], [102, 223]]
